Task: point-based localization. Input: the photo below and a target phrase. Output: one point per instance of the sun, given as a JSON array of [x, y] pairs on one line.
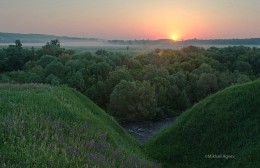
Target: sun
[[175, 37]]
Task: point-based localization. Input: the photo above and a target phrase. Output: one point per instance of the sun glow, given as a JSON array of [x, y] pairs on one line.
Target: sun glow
[[175, 37]]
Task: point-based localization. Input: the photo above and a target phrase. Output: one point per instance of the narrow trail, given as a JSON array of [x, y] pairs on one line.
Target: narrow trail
[[143, 131]]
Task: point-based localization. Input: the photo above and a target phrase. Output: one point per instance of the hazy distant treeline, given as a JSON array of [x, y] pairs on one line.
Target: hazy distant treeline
[[213, 42]]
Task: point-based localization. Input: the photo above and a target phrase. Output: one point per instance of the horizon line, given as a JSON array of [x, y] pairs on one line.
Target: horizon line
[[143, 39]]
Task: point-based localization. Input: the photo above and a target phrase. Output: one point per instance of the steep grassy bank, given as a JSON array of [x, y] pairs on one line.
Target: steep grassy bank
[[220, 131], [48, 126]]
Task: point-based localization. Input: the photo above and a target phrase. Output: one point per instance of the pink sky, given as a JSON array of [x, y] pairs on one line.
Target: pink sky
[[133, 19]]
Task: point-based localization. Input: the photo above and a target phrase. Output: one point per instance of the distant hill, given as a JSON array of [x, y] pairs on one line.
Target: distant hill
[[39, 38], [220, 131], [46, 126]]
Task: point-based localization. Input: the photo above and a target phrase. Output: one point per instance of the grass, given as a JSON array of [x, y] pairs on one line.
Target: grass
[[220, 131], [46, 126]]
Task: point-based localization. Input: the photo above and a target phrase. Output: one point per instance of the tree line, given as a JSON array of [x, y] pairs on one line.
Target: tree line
[[162, 83]]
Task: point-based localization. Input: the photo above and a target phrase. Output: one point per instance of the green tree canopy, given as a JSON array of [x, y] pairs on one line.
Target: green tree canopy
[[133, 101]]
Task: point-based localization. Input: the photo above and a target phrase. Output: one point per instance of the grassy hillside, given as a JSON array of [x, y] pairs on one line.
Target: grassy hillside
[[46, 126], [220, 131]]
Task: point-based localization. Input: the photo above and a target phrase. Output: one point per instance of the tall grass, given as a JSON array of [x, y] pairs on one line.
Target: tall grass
[[45, 126]]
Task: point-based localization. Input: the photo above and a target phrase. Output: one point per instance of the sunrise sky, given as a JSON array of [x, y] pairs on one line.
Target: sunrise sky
[[133, 19]]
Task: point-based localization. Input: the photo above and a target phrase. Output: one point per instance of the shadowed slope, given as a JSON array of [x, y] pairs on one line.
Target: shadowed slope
[[224, 125]]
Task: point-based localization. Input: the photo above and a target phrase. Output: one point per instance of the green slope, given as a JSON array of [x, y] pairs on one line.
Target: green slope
[[46, 126], [225, 124]]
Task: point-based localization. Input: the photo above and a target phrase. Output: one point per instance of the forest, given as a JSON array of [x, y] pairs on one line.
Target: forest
[[133, 87]]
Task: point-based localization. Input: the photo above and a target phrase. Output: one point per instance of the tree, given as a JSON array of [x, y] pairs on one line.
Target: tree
[[52, 79], [56, 68], [177, 98], [116, 76], [151, 72], [133, 101], [15, 56], [76, 81], [46, 60], [18, 43], [33, 78], [242, 66], [18, 76], [226, 78], [3, 61], [97, 93], [52, 48], [134, 64], [63, 58], [192, 49], [102, 52], [102, 69], [243, 79], [206, 84], [205, 68], [38, 70], [257, 66], [74, 65]]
